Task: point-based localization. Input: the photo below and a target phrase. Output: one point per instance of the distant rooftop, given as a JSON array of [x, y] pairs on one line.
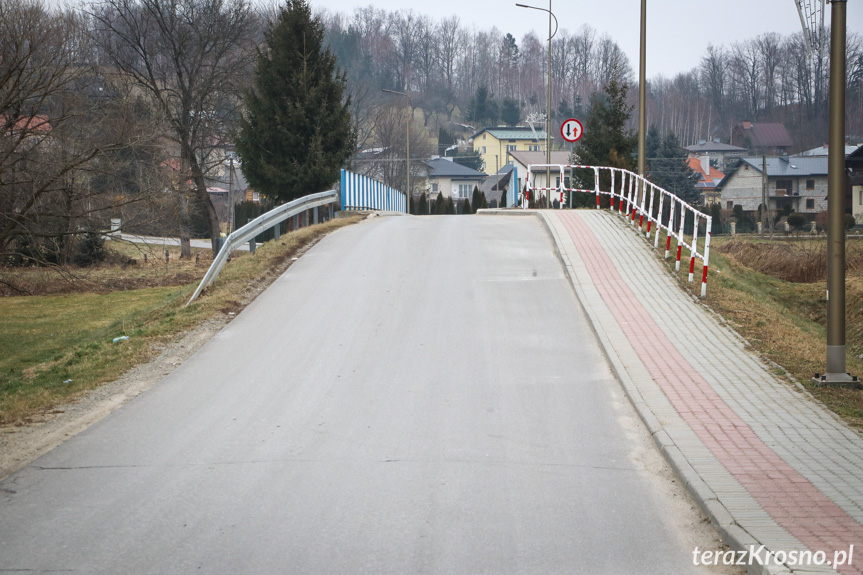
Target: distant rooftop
[[444, 168], [822, 151], [514, 133], [791, 166], [706, 147]]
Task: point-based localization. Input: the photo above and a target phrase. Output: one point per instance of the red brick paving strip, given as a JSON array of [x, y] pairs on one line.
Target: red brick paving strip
[[788, 497]]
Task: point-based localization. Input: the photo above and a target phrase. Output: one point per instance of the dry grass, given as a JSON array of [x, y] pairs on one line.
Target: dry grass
[[785, 320], [57, 347]]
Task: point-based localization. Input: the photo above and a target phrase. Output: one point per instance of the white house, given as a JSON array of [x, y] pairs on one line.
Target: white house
[[451, 179]]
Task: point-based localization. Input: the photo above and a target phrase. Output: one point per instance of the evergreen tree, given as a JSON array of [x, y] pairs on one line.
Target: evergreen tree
[[503, 198], [423, 208], [475, 200], [297, 130], [439, 205], [510, 113], [483, 109], [471, 159], [716, 222], [483, 202], [606, 141], [667, 166], [464, 207], [449, 207]]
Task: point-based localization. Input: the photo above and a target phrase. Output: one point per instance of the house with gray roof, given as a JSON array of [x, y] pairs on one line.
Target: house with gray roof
[[451, 179], [798, 182], [720, 155], [496, 184]]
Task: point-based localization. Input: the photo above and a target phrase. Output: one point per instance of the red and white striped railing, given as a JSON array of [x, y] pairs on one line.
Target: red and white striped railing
[[661, 210]]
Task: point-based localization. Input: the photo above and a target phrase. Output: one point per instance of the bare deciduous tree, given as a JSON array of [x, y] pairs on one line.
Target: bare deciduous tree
[[191, 58]]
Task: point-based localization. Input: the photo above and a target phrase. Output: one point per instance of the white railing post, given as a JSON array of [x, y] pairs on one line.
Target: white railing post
[[658, 219], [694, 248]]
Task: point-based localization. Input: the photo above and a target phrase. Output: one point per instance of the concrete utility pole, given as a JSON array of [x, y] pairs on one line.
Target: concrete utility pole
[[642, 98], [408, 145], [548, 108], [836, 374]]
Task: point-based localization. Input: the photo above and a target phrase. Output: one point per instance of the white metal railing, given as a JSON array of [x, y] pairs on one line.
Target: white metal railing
[[260, 224], [662, 210]]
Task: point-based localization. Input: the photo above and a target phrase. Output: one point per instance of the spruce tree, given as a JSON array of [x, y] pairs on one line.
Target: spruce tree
[[440, 205], [475, 200], [423, 208], [606, 141], [449, 207], [296, 133]]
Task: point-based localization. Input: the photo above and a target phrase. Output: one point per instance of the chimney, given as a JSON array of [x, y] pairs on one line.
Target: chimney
[[705, 165]]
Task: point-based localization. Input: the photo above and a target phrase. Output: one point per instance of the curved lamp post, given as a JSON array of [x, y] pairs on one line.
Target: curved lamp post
[[548, 109], [408, 152]]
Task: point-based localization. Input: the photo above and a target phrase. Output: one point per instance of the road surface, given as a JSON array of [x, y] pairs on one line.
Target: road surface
[[415, 395]]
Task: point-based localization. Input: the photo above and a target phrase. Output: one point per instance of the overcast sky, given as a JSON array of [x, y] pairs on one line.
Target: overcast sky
[[678, 32]]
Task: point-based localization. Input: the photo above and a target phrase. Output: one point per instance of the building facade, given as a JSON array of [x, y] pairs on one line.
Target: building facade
[[493, 145], [798, 182]]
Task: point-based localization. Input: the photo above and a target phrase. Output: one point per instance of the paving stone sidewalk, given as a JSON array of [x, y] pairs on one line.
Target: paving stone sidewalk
[[768, 464]]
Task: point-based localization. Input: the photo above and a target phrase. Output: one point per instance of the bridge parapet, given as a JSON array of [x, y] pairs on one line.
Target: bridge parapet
[[360, 192]]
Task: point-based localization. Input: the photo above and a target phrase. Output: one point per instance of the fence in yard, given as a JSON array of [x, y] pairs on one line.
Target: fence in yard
[[641, 202]]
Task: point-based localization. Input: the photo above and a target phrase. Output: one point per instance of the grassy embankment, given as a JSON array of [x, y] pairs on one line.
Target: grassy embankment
[[59, 346], [773, 293]]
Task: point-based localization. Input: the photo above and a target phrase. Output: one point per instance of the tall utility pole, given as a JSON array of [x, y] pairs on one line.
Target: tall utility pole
[[408, 146], [836, 374], [548, 106], [642, 97]]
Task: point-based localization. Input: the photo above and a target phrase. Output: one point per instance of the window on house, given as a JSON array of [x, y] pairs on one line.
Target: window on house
[[784, 186], [810, 204], [434, 187], [860, 197], [810, 184], [729, 205], [511, 147], [483, 149], [464, 191]]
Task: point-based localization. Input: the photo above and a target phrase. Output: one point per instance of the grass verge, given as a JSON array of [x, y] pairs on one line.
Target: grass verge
[[57, 347], [784, 321]]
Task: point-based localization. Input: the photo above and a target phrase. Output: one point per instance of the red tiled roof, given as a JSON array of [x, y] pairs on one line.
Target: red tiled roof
[[36, 125], [714, 175]]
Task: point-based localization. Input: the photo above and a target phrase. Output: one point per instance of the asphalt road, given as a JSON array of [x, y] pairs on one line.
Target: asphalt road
[[415, 395]]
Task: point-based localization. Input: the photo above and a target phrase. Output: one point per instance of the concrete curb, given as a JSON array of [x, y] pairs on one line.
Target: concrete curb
[[731, 533]]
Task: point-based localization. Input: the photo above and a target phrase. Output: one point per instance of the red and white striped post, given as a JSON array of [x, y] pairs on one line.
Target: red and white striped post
[[706, 257], [658, 220], [650, 211], [596, 185], [670, 228], [693, 247], [680, 236], [612, 189]]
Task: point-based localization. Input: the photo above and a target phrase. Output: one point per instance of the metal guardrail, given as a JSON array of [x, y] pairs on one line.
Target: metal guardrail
[[648, 202], [260, 224]]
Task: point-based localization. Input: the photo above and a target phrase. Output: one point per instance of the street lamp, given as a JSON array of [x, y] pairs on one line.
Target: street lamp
[[548, 109], [408, 154]]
